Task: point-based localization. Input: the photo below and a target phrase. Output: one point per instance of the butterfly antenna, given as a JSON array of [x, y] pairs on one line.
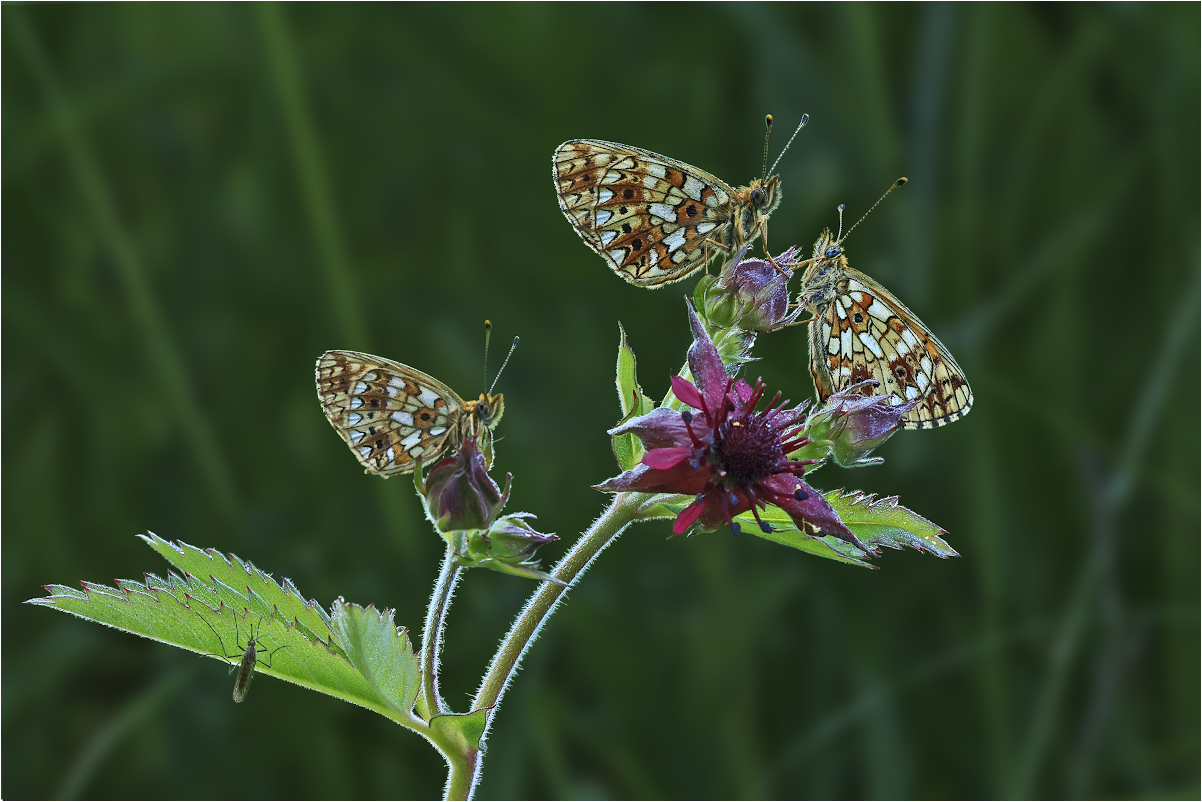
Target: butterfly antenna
[[487, 337], [503, 364], [768, 125], [805, 118], [896, 184], [840, 207]]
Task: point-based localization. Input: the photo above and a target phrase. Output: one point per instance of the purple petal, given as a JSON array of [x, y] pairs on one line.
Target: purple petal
[[683, 478], [744, 390], [688, 516], [687, 393], [664, 458], [659, 428], [811, 510], [705, 363]]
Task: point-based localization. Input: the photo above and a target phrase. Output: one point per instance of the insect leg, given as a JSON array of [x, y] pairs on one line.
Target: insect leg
[[767, 253]]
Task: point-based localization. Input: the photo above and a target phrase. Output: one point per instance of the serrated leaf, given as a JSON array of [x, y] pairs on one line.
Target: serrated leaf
[[226, 601], [380, 651], [253, 588], [786, 533], [884, 522], [628, 449], [876, 522]]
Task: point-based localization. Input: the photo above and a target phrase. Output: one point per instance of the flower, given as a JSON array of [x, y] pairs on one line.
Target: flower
[[850, 425], [751, 294], [731, 457], [459, 492]]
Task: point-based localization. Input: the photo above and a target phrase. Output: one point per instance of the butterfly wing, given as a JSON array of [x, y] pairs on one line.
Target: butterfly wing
[[388, 413], [647, 215], [865, 333]]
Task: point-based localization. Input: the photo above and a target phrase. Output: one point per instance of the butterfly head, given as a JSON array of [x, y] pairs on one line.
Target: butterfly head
[[828, 248], [765, 195], [487, 409]]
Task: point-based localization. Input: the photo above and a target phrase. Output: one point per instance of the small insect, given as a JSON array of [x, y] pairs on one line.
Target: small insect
[[393, 416], [860, 331], [653, 219], [248, 659]]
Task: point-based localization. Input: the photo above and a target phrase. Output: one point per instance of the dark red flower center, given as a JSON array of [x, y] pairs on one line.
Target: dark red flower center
[[748, 448]]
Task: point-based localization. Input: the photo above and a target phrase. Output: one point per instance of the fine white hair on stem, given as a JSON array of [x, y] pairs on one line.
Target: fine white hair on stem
[[601, 533]]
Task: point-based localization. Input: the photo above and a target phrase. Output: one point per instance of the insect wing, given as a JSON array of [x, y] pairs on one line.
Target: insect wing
[[865, 333], [388, 413], [647, 215], [246, 670]]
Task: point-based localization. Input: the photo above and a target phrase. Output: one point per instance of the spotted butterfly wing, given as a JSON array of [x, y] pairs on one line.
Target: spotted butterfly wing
[[652, 218], [393, 416], [860, 332]]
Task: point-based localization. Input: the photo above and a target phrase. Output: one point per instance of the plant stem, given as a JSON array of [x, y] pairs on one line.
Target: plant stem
[[624, 509], [430, 703], [460, 776]]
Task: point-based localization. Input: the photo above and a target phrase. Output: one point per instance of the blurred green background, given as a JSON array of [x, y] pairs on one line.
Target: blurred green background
[[200, 199]]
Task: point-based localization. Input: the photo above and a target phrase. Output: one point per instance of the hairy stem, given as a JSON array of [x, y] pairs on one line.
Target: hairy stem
[[430, 703], [461, 776], [624, 509]]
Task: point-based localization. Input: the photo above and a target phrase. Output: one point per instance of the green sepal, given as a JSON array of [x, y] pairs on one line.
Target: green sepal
[[628, 449], [464, 730], [526, 570], [663, 505], [219, 602]]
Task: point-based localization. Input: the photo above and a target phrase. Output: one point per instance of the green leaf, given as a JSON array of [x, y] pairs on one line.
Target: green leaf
[[785, 532], [633, 401], [380, 652], [877, 522], [218, 603], [884, 522]]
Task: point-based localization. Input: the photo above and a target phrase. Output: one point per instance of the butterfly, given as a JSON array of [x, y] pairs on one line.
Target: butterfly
[[655, 220], [393, 416], [860, 331]]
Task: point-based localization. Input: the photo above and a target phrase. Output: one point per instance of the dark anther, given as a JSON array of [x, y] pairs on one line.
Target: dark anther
[[800, 494], [766, 527], [734, 527], [686, 416]]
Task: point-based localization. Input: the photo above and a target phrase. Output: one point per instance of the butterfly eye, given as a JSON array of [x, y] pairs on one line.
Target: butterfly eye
[[757, 196], [833, 251]]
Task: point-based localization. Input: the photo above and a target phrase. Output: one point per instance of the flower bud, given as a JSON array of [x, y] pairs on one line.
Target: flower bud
[[507, 546], [459, 492], [750, 294], [850, 425]]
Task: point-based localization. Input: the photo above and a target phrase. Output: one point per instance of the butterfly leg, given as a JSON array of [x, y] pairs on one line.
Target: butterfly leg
[[767, 253], [719, 247]]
